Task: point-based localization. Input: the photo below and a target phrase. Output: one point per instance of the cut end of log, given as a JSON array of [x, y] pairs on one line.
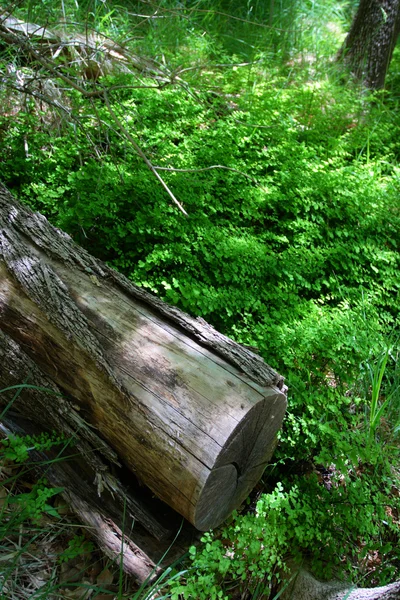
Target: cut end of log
[[241, 462]]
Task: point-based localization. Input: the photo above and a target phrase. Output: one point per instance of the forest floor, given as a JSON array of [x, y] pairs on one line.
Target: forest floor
[[288, 172]]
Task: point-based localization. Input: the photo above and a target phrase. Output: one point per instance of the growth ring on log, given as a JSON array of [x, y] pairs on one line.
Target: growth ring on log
[[241, 462]]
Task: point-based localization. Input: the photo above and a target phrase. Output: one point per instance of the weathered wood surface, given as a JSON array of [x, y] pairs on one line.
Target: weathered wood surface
[[306, 587], [95, 54], [42, 404], [94, 484], [197, 426]]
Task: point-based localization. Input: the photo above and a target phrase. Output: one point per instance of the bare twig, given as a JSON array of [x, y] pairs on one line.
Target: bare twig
[[12, 38], [44, 98], [142, 155], [205, 169]]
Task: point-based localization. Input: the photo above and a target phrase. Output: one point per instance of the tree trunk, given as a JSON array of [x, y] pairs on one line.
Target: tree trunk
[[369, 46], [305, 587], [190, 412]]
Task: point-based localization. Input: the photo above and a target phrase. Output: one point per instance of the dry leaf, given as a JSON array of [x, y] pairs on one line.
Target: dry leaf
[[105, 577]]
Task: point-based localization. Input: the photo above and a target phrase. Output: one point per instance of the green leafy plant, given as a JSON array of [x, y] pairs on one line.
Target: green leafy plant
[[77, 546], [378, 407], [21, 511], [33, 504], [16, 448]]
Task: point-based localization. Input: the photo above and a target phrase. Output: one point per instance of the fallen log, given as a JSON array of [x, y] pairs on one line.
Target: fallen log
[[190, 412], [80, 500]]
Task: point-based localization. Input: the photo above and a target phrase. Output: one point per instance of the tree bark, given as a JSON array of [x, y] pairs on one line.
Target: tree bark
[[196, 425], [369, 46], [93, 513]]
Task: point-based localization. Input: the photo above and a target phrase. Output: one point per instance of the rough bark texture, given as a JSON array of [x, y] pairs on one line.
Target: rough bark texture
[[197, 426], [306, 587], [57, 244], [369, 45]]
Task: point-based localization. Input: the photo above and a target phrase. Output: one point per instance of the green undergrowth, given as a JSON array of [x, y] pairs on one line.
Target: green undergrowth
[[290, 245], [294, 250]]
